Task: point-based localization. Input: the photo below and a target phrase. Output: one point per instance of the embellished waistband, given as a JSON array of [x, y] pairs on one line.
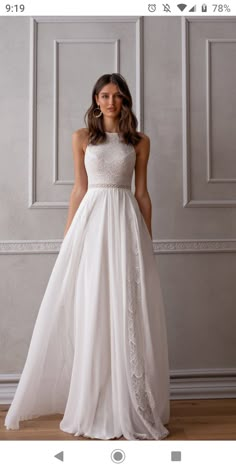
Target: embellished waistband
[[110, 185]]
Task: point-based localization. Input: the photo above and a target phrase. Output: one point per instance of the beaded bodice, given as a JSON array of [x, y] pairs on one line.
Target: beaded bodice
[[110, 163]]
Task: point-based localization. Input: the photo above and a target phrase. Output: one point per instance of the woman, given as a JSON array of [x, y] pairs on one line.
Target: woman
[[98, 353]]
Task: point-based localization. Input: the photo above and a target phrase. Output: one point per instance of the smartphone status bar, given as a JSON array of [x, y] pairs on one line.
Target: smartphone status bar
[[105, 8]]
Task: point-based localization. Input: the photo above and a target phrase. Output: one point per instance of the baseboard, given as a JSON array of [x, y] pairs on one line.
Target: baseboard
[[184, 384], [203, 383]]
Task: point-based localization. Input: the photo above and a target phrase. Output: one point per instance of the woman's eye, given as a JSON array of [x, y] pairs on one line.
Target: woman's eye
[[105, 96]]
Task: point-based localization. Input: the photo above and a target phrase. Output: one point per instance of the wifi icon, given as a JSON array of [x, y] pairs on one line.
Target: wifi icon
[[181, 6]]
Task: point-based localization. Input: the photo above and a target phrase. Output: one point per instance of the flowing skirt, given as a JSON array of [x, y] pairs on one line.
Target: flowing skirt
[[98, 353]]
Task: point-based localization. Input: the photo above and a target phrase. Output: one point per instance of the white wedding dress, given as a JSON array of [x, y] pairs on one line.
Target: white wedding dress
[[98, 353]]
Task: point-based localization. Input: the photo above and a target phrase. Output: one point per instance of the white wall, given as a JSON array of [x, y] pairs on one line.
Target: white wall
[[48, 69]]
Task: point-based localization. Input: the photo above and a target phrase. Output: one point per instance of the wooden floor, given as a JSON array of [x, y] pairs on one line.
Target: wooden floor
[[190, 420]]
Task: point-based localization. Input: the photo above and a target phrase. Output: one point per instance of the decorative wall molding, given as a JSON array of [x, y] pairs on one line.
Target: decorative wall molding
[[165, 246], [184, 384], [210, 178], [30, 247], [32, 111], [87, 19], [33, 203], [202, 383], [184, 246], [116, 68], [187, 198]]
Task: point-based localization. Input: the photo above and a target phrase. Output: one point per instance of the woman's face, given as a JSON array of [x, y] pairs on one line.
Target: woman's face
[[110, 100]]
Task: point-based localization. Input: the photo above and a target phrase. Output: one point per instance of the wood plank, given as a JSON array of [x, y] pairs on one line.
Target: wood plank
[[189, 420]]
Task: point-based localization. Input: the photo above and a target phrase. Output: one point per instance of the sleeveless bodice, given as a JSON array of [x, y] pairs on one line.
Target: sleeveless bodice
[[110, 163]]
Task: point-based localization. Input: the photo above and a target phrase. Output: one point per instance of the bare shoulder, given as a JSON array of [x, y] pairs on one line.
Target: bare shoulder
[[143, 136], [144, 143], [80, 138], [81, 132]]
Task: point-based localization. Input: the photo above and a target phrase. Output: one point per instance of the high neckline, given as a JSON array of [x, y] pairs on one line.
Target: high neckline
[[108, 132]]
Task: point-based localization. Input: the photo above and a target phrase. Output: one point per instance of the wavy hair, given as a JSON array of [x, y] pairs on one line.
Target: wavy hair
[[127, 121]]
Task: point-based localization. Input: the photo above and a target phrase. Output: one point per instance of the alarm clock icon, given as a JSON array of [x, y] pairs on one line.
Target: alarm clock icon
[[152, 7]]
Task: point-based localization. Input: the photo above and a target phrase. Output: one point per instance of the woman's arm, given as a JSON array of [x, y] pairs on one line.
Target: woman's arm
[[81, 181], [141, 192]]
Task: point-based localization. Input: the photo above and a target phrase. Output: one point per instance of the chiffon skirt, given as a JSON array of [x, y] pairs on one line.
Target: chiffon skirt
[[98, 353]]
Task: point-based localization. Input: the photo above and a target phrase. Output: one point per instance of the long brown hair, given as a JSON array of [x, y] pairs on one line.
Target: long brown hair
[[127, 122]]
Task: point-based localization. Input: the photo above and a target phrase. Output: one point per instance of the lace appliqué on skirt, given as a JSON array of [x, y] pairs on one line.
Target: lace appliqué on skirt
[[141, 391]]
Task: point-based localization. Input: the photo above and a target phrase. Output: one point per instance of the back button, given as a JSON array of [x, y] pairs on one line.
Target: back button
[[60, 456]]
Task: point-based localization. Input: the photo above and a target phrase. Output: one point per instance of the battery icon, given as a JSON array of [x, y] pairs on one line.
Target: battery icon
[[204, 8]]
